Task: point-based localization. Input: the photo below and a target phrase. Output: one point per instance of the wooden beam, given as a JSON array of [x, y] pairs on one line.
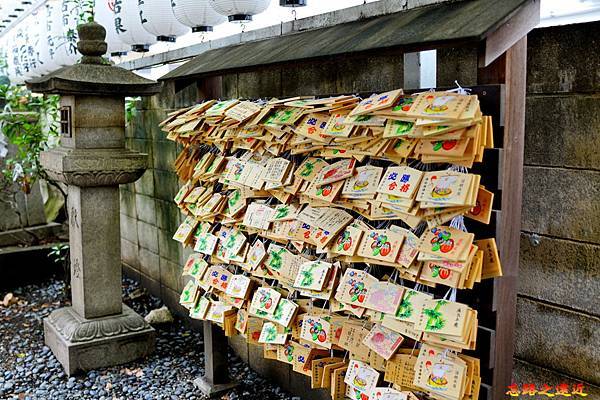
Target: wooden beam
[[505, 288], [518, 26]]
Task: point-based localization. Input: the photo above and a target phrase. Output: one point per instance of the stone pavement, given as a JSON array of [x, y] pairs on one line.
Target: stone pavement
[[29, 370]]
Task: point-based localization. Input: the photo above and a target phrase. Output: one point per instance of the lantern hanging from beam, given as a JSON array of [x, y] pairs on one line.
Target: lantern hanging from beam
[[239, 10], [64, 20], [50, 33], [128, 27], [158, 19], [197, 14], [104, 14]]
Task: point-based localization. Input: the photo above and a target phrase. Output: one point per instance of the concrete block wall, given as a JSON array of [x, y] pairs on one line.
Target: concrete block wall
[[558, 322], [558, 326]]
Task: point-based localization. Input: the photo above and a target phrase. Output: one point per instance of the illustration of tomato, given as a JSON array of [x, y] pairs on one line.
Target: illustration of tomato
[[255, 335], [330, 173], [269, 304], [449, 144], [444, 273], [386, 249], [322, 337], [477, 209], [447, 246], [348, 244], [327, 190]]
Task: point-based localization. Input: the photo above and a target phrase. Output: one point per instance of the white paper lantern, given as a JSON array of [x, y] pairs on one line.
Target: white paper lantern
[[157, 18], [12, 9], [64, 20], [35, 22], [197, 14], [129, 28], [23, 69], [104, 14], [239, 10], [50, 31]]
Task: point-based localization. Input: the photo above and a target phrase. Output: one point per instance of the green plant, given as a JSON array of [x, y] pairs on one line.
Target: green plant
[[30, 124], [131, 108], [59, 253]]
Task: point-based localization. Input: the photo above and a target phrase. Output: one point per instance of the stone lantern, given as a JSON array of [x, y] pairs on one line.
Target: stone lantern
[[98, 330]]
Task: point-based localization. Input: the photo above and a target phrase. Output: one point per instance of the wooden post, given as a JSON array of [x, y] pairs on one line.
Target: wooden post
[[216, 379], [505, 288]]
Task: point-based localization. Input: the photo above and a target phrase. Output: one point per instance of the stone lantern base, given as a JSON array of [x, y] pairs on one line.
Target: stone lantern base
[[84, 344]]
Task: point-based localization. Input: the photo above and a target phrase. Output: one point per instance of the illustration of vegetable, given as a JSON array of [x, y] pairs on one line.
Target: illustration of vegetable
[[308, 169], [271, 333], [282, 212], [202, 244], [442, 241], [276, 259], [358, 291], [345, 241], [324, 190], [317, 332], [307, 276], [406, 307], [435, 322]]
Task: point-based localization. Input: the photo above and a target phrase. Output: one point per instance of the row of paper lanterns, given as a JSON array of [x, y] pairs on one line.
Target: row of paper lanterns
[[46, 39]]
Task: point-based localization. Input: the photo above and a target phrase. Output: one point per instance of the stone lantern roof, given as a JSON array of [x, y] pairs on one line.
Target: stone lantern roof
[[93, 75]]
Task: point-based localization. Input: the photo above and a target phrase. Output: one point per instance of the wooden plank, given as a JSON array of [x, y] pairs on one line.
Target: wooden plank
[[502, 39], [215, 355], [505, 290]]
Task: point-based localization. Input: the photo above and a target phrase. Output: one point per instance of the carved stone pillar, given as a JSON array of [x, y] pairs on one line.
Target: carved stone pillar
[[98, 330]]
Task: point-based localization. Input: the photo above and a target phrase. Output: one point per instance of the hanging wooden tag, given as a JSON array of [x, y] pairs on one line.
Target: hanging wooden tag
[[383, 245], [354, 286], [384, 297], [312, 275], [241, 324], [195, 267], [361, 376], [265, 300], [317, 369], [284, 312], [239, 286], [206, 244], [446, 243], [253, 329], [383, 341], [491, 260], [200, 309], [411, 306], [335, 172], [347, 242], [270, 334], [328, 371], [338, 385], [316, 330], [401, 182], [219, 277]]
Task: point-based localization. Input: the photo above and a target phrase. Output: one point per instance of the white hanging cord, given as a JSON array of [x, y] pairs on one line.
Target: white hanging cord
[[459, 89], [458, 222]]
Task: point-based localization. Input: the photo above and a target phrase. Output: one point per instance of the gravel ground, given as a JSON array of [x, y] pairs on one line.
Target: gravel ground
[[28, 370]]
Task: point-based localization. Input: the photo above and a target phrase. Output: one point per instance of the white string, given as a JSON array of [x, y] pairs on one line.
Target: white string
[[458, 222]]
